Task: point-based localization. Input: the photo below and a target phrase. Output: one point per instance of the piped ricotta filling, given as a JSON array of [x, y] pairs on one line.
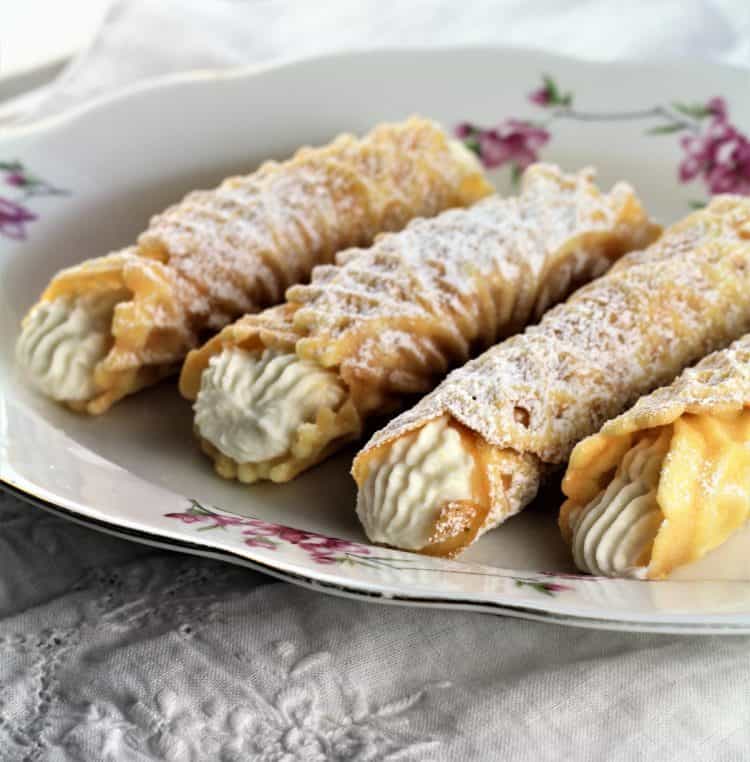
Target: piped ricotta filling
[[250, 405], [62, 342], [406, 488], [614, 533]]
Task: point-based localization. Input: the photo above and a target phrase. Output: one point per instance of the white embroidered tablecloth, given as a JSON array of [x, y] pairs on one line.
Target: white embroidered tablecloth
[[114, 651]]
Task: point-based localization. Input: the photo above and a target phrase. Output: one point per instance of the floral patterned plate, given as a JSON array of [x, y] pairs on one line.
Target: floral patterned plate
[[84, 183]]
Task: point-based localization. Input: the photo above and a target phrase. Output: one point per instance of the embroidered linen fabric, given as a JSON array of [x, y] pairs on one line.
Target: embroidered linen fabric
[[113, 651]]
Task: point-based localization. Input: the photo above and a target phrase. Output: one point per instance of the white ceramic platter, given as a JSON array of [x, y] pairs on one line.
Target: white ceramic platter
[[85, 183]]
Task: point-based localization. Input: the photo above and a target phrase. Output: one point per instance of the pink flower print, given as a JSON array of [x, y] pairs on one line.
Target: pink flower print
[[257, 533], [540, 97], [294, 536], [13, 219], [718, 107], [701, 150], [186, 518], [320, 548], [720, 155], [17, 179], [196, 514], [732, 171], [324, 558], [260, 528], [14, 216], [222, 520], [321, 544], [549, 94], [555, 587], [512, 142]]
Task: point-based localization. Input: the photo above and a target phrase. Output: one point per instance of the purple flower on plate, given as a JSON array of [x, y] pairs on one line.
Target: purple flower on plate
[[513, 141], [17, 179], [320, 543], [15, 216], [223, 520], [257, 533], [720, 155], [320, 548], [294, 536], [540, 97], [260, 528], [717, 106], [324, 558], [549, 95], [555, 587], [186, 518], [13, 219]]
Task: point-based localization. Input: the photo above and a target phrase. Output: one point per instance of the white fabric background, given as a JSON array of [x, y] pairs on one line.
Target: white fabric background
[[113, 651]]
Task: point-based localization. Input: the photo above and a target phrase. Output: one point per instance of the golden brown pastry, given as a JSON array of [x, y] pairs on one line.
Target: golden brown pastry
[[474, 452], [278, 392], [668, 480], [115, 324]]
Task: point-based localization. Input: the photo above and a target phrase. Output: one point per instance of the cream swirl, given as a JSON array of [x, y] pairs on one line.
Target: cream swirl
[[251, 406], [613, 533], [405, 490], [62, 342]]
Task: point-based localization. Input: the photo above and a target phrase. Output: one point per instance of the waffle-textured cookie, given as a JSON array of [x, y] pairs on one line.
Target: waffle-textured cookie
[[393, 319]]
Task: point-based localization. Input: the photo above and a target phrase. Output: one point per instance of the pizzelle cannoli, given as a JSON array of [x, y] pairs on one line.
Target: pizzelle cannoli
[[277, 392], [668, 480], [112, 325], [473, 453]]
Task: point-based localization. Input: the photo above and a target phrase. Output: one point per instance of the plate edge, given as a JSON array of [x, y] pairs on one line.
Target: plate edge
[[310, 583]]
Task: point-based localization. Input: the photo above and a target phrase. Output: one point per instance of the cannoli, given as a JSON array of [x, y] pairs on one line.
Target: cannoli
[[277, 392], [668, 480], [474, 452], [112, 325]]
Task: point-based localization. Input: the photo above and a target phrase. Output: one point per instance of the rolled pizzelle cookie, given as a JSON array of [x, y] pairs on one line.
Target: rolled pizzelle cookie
[[668, 480], [277, 392], [112, 325], [496, 427]]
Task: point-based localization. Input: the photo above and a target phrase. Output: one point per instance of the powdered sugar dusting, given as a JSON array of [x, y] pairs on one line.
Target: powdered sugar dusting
[[392, 319], [720, 383], [619, 337], [245, 242], [422, 300], [234, 250]]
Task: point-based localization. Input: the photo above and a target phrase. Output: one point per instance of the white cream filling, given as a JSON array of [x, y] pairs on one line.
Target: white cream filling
[[250, 407], [612, 531], [62, 342], [406, 488]]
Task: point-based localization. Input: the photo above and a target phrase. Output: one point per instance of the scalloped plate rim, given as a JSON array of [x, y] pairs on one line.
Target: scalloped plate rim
[[708, 625]]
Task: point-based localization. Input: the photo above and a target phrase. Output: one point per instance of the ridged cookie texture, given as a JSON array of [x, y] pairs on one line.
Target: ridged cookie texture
[[527, 401], [225, 252], [391, 320]]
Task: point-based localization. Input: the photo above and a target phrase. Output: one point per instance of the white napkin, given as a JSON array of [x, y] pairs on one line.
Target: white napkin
[[113, 651], [147, 38]]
